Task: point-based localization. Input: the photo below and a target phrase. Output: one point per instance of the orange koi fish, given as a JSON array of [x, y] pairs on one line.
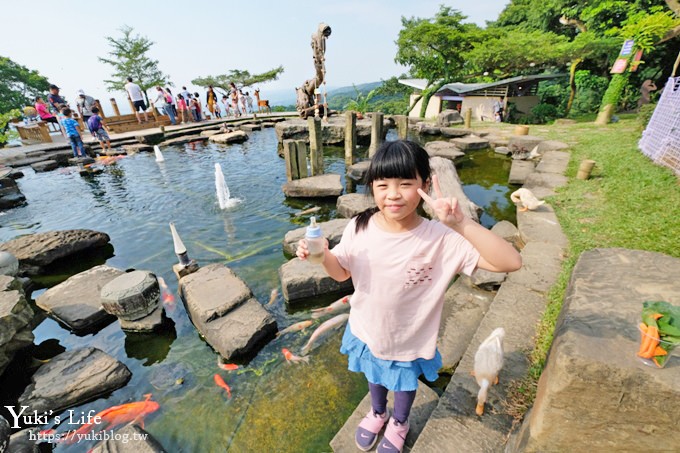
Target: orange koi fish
[[167, 297], [338, 306], [302, 325], [292, 358], [220, 383], [226, 366]]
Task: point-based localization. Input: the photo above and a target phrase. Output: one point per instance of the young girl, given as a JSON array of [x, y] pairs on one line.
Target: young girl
[[182, 108], [401, 265]]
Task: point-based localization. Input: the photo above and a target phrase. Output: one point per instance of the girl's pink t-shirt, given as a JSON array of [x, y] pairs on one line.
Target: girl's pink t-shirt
[[181, 104], [399, 284], [42, 111]]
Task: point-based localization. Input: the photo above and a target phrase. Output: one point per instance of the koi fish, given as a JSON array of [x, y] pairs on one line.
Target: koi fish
[[292, 358], [117, 415], [302, 325], [226, 366], [336, 307], [327, 326], [167, 297], [272, 297], [220, 383]]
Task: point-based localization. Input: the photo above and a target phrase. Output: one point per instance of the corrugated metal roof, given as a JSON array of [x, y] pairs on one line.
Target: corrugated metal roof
[[462, 88]]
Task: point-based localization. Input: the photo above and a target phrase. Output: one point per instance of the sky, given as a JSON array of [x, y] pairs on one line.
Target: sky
[[62, 39]]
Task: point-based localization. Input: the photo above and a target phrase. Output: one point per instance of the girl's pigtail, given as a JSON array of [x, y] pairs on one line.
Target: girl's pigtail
[[364, 217]]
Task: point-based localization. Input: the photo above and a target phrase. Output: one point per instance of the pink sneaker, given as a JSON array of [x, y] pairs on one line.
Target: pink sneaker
[[367, 432], [395, 435]]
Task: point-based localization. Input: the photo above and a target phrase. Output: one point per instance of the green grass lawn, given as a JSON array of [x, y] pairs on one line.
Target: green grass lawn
[[629, 202]]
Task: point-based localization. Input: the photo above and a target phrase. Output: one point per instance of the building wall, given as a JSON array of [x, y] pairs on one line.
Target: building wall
[[482, 106]]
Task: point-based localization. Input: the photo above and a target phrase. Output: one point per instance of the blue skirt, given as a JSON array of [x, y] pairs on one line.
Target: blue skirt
[[391, 374]]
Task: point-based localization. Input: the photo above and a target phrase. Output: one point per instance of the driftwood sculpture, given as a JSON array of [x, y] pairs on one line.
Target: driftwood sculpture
[[645, 92], [308, 97]]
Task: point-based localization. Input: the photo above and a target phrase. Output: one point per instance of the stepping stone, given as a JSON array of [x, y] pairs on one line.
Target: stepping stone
[[267, 124], [596, 340], [327, 185], [357, 171], [76, 302], [352, 204], [544, 184], [332, 230], [443, 149], [129, 439], [153, 321], [454, 132], [519, 171], [551, 145], [209, 133], [470, 142], [554, 162], [137, 148], [72, 378], [81, 161], [250, 127], [523, 143], [46, 165], [427, 129], [184, 139], [302, 279], [424, 404], [16, 316], [131, 296], [541, 225], [225, 312], [496, 141], [230, 137]]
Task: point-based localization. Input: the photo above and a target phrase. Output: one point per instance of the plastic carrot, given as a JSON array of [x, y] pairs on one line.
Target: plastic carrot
[[644, 339], [653, 334]]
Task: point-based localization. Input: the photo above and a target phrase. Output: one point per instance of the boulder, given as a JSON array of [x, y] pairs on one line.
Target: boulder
[[76, 302], [509, 232], [448, 117], [352, 204], [225, 312], [302, 279], [15, 317], [9, 264], [470, 142], [327, 185], [454, 132], [357, 171], [443, 149], [519, 171], [72, 378], [594, 393], [424, 128], [45, 165], [450, 185], [10, 195], [230, 137], [332, 230], [131, 296], [129, 439], [39, 250]]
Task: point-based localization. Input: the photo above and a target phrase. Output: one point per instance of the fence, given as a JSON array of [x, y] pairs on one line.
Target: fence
[[661, 139]]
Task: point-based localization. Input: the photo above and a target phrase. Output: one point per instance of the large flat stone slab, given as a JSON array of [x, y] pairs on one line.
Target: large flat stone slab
[[470, 142], [76, 302], [519, 171], [424, 404], [443, 149], [594, 394], [229, 137], [327, 185], [352, 204], [544, 184], [332, 230], [451, 186], [302, 279], [551, 145], [358, 170], [37, 251], [225, 312], [72, 378], [15, 316], [541, 225], [554, 162], [454, 132], [186, 139]]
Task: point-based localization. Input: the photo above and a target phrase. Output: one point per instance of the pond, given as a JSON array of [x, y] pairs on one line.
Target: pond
[[133, 201]]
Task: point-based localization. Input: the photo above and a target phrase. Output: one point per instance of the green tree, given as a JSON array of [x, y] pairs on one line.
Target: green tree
[[240, 78], [361, 102], [5, 132], [128, 56], [19, 85], [435, 49]]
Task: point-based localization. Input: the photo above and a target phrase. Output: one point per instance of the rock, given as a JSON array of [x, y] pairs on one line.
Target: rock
[[15, 317], [39, 250], [153, 138], [357, 171], [9, 264], [519, 171], [449, 117], [131, 296], [544, 184], [250, 127], [487, 280], [114, 152], [129, 439], [209, 133], [327, 185], [450, 184], [554, 162], [230, 137], [332, 230], [454, 132], [551, 145], [76, 302], [443, 149], [502, 150], [268, 124], [153, 321], [424, 128], [425, 402], [594, 393], [45, 165], [5, 432], [470, 143], [27, 161], [10, 195], [302, 279], [523, 143], [25, 441], [81, 161], [64, 157], [225, 312], [184, 139], [352, 204], [509, 232], [496, 141], [137, 148], [541, 225], [72, 378]]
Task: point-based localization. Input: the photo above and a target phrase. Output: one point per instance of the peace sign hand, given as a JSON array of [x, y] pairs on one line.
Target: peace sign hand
[[447, 209]]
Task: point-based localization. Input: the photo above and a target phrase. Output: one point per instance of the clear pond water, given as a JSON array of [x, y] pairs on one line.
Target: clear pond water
[[274, 406]]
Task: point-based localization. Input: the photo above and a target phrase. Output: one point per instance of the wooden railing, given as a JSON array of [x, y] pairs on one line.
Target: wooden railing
[[37, 132]]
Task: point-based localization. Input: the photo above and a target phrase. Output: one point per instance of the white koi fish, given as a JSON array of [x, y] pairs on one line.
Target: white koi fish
[[324, 328], [272, 297], [292, 358], [336, 307], [302, 325]]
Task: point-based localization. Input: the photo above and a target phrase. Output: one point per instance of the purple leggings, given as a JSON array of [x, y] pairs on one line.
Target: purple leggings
[[402, 401]]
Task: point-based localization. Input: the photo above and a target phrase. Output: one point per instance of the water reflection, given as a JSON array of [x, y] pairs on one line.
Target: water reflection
[[151, 347]]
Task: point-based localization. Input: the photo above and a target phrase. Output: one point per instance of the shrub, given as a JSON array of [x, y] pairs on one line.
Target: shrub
[[542, 113]]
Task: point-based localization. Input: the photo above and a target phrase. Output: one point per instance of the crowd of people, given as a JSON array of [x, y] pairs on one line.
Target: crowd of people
[[183, 107]]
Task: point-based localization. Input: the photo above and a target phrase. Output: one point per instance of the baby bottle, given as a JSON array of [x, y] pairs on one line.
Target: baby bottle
[[315, 242]]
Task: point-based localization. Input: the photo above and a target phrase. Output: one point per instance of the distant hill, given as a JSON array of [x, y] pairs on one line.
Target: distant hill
[[287, 97]]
